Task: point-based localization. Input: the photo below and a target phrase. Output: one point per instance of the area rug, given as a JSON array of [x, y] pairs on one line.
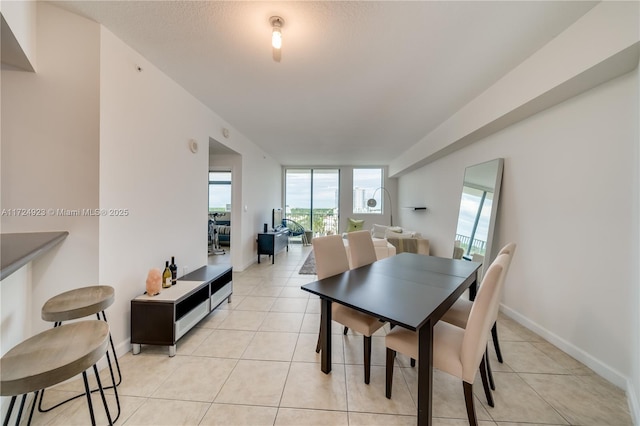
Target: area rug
[[309, 265]]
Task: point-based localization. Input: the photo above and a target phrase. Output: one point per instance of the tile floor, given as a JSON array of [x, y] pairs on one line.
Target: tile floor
[[252, 362]]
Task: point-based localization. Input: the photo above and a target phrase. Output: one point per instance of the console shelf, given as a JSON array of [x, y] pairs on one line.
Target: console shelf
[[272, 242], [165, 318]]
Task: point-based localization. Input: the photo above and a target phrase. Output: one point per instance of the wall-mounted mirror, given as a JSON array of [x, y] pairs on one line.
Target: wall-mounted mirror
[[478, 209]]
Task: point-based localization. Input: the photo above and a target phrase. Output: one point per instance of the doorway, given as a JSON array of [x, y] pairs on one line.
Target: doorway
[[219, 230]]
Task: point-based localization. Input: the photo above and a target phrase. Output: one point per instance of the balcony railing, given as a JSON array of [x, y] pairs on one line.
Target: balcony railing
[[478, 246], [323, 224]]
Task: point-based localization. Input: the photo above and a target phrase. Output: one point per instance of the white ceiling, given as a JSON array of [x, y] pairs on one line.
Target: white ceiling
[[358, 82]]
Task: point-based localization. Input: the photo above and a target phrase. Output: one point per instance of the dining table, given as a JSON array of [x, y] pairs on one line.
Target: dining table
[[407, 290]]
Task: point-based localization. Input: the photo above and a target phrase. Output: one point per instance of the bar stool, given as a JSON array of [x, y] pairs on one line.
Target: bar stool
[[76, 304], [51, 357]]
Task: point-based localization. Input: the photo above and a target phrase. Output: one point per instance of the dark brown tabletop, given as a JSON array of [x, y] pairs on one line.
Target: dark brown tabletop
[[409, 290]]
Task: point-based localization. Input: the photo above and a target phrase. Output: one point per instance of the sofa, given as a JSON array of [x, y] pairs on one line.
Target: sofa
[[402, 239], [223, 226]]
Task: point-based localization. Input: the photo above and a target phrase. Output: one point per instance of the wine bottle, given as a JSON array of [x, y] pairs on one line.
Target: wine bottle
[[174, 271], [166, 276]]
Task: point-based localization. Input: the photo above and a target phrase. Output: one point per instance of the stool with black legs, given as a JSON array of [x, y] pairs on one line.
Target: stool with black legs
[[76, 304], [51, 357]]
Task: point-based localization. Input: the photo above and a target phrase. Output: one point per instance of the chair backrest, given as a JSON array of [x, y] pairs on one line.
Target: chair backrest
[[475, 257], [509, 249], [458, 252], [481, 318], [423, 246], [330, 255], [361, 248]]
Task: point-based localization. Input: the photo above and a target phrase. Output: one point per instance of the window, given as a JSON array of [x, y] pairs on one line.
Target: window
[[311, 199], [365, 183], [219, 192]]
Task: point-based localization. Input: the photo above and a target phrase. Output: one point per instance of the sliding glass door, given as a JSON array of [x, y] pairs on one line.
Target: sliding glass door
[[311, 199]]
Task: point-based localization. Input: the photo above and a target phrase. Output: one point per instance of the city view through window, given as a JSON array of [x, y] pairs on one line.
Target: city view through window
[[365, 183], [312, 196], [312, 199]]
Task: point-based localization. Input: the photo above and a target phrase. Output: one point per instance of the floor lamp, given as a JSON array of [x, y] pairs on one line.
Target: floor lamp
[[371, 202]]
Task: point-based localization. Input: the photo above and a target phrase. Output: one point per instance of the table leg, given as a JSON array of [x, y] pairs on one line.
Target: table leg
[[425, 373], [473, 288], [325, 335]]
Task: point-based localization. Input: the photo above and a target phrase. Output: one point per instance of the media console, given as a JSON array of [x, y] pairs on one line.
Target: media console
[[165, 318], [272, 242]]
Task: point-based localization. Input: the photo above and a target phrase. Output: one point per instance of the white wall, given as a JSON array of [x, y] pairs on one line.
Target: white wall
[[146, 167], [256, 186], [88, 130], [569, 200], [261, 192], [50, 131], [634, 385]]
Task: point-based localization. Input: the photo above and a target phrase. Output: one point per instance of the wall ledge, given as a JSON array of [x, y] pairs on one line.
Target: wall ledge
[[18, 249]]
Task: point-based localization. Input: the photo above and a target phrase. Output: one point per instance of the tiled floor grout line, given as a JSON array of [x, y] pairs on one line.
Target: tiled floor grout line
[[518, 373], [284, 275]]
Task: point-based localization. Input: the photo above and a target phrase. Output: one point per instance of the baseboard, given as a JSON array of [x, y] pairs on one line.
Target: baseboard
[[596, 365], [634, 406], [599, 367]]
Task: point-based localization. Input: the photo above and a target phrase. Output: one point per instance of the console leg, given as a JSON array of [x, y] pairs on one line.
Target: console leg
[[172, 350], [135, 348]]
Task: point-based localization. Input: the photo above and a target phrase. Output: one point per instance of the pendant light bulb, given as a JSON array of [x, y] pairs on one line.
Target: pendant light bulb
[[276, 37]]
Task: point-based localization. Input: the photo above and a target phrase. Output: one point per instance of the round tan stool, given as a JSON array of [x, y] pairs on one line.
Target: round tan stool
[[51, 357], [76, 304]]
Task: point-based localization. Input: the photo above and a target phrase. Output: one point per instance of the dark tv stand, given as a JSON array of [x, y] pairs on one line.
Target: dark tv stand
[[272, 242], [165, 318]]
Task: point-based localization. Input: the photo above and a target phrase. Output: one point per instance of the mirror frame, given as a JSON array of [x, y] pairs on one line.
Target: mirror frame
[[497, 184]]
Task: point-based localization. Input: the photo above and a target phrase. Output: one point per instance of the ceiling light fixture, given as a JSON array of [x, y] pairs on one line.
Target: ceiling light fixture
[[276, 37]]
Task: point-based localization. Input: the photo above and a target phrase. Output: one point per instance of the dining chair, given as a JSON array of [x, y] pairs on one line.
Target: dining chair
[[478, 258], [458, 314], [362, 253], [331, 259], [361, 247], [457, 351], [457, 252]]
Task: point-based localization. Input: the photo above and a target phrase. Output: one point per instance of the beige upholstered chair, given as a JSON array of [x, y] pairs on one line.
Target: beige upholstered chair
[[475, 257], [459, 312], [458, 252], [362, 249], [362, 252], [457, 351], [331, 259]]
